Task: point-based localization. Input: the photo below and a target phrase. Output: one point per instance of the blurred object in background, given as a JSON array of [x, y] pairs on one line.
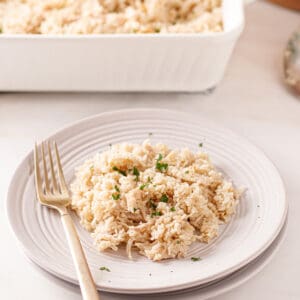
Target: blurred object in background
[[292, 62], [293, 4]]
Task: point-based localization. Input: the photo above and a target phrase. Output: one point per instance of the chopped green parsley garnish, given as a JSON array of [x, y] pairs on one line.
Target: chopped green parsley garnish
[[116, 196], [104, 269], [143, 186], [200, 144], [134, 209], [136, 173], [118, 170], [164, 198], [178, 242], [187, 172], [195, 258], [152, 204], [159, 165], [91, 168], [156, 213], [172, 208]]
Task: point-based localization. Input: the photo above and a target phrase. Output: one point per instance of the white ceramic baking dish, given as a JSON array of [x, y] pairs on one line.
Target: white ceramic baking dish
[[145, 62]]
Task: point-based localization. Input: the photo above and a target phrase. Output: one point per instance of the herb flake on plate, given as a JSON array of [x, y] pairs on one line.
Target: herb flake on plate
[[104, 269], [119, 170], [196, 258], [143, 186], [164, 198], [160, 166], [116, 196], [152, 204], [156, 214], [136, 173]]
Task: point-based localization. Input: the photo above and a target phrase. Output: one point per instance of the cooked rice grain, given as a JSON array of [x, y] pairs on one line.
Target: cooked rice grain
[[110, 16], [158, 211]]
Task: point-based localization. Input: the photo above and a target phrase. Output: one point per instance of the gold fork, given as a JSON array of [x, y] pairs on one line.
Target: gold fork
[[53, 192]]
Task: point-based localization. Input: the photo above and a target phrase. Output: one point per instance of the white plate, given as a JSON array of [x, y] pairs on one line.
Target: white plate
[[200, 293], [258, 220]]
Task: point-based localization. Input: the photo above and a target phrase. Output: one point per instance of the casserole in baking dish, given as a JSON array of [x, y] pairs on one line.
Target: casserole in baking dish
[[120, 62]]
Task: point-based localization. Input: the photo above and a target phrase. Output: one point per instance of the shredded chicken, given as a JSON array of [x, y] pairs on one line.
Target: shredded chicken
[[152, 199]]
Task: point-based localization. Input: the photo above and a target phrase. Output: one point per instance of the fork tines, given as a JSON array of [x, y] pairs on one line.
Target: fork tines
[[54, 181]]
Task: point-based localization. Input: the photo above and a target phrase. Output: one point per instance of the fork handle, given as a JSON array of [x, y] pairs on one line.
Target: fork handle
[[87, 285]]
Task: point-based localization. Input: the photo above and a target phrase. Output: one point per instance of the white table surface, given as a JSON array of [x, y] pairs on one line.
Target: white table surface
[[251, 100]]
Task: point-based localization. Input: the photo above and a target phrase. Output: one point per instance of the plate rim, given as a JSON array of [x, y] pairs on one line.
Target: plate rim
[[171, 287], [227, 287]]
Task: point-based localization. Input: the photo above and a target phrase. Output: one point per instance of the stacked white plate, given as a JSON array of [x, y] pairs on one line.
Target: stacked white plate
[[242, 248]]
